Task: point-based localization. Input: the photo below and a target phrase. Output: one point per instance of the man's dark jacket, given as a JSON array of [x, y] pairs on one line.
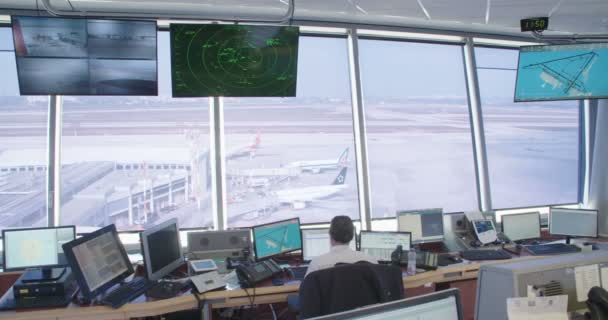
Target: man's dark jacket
[[349, 286]]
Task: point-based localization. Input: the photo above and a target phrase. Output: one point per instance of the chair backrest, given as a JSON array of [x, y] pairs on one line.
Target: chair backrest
[[347, 287]]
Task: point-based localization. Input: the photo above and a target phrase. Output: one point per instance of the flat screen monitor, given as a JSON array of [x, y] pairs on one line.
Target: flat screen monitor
[[316, 242], [234, 60], [562, 72], [521, 226], [573, 222], [425, 225], [98, 261], [380, 244], [442, 305], [81, 56], [161, 249], [35, 247], [277, 238]]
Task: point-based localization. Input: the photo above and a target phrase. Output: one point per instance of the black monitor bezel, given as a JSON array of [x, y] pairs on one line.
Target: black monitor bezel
[[4, 231], [17, 58], [144, 240], [399, 304], [389, 232], [502, 223], [79, 275], [419, 212], [597, 223], [549, 99], [253, 240]]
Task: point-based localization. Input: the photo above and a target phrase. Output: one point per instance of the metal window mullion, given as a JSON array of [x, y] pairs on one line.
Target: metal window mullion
[[360, 132], [477, 128], [585, 160], [53, 181], [216, 154]]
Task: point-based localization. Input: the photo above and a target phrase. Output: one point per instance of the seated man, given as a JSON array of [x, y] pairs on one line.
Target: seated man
[[341, 233]]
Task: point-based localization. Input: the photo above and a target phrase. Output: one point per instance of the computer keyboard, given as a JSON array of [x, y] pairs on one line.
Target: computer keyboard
[[485, 255], [553, 248], [298, 272], [126, 292], [166, 289]]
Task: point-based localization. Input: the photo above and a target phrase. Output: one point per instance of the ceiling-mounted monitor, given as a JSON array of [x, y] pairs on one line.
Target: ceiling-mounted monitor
[[79, 56], [234, 60], [562, 72]]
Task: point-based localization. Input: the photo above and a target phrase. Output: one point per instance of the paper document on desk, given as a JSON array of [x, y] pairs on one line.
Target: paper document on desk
[[538, 308], [586, 277]]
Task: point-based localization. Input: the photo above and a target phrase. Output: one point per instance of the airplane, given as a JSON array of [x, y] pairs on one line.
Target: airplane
[[299, 197], [316, 166], [242, 151]]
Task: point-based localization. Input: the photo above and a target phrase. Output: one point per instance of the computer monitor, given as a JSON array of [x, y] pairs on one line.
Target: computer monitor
[[161, 249], [562, 72], [444, 305], [98, 261], [521, 226], [425, 225], [276, 238], [316, 242], [380, 244], [573, 222], [36, 248]]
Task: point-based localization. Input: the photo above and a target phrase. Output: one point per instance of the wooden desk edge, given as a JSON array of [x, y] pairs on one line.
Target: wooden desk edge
[[231, 298]]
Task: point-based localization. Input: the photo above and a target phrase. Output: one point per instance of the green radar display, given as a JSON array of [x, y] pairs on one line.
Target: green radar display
[[234, 60]]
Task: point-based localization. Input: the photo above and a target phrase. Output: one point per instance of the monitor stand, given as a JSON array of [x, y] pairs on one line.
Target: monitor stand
[[43, 274]]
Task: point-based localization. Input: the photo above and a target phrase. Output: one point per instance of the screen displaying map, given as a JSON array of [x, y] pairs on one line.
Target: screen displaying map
[[562, 72], [277, 238]]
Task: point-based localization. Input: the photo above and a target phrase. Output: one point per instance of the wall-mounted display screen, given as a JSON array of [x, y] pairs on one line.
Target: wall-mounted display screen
[[234, 60], [562, 72], [59, 56]]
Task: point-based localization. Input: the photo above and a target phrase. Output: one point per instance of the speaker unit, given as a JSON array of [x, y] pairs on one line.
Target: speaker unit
[[228, 243]]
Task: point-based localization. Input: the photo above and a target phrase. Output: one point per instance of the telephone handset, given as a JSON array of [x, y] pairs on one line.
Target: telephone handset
[[424, 260], [597, 304], [254, 273]]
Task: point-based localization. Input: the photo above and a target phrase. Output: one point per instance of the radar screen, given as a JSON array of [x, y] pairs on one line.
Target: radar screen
[[234, 60]]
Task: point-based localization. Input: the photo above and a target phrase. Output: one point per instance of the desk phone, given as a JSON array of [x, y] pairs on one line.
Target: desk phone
[[254, 273]]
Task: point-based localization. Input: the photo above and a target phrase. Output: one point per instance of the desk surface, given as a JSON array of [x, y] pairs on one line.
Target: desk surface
[[230, 298]]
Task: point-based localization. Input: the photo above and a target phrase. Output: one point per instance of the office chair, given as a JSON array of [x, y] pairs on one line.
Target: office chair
[[349, 286]]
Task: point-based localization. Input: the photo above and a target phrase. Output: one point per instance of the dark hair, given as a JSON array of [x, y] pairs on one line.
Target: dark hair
[[342, 229]]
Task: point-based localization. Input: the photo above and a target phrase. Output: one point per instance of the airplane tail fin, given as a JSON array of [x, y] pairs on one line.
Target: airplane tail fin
[[258, 140], [341, 178], [343, 160]]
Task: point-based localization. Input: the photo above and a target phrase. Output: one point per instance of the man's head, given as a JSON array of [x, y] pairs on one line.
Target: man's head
[[341, 230]]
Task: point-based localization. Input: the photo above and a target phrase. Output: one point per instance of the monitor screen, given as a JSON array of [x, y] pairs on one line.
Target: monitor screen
[[78, 56], [162, 250], [380, 244], [276, 238], [521, 226], [234, 60], [425, 225], [444, 305], [562, 72], [98, 260], [35, 247], [316, 242], [573, 222]]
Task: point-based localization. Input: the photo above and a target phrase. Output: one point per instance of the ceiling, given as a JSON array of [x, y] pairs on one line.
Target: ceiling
[[566, 16]]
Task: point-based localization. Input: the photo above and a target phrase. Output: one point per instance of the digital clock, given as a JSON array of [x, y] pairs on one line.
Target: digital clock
[[534, 24]]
